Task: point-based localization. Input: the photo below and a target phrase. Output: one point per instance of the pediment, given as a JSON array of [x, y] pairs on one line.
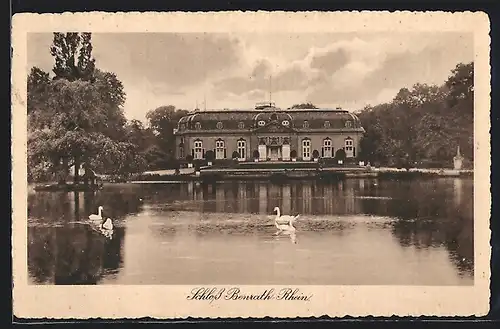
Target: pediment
[[274, 127]]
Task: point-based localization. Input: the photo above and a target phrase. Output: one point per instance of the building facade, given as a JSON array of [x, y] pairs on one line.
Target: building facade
[[276, 134]]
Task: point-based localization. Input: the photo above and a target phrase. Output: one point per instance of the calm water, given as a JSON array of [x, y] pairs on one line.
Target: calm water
[[353, 232]]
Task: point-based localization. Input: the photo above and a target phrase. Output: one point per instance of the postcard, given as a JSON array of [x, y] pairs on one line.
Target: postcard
[[250, 164]]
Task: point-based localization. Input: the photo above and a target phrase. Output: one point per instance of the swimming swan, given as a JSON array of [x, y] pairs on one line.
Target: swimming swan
[[108, 224], [283, 219], [99, 214], [284, 223]]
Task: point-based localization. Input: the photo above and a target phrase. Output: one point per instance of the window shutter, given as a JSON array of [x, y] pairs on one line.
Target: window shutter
[[353, 151], [192, 153], [203, 153], [322, 152], [225, 153]]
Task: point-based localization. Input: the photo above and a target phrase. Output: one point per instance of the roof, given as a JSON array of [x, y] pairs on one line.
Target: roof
[[249, 119]]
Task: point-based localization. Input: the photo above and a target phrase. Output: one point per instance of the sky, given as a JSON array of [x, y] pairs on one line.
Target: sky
[[234, 71]]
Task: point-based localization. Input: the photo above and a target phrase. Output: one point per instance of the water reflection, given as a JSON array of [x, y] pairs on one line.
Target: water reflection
[[413, 227]]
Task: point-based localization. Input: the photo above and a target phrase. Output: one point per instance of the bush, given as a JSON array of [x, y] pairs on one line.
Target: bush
[[235, 155], [293, 154], [340, 155], [315, 154], [209, 155], [189, 158], [256, 154]]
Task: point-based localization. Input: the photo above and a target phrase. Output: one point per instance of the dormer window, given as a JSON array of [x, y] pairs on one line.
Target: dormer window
[[348, 124], [219, 125], [274, 117], [285, 123], [197, 125], [183, 126], [326, 124], [261, 123], [305, 124], [241, 125]]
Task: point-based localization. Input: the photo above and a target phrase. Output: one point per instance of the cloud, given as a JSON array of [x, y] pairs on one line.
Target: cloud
[[176, 60], [263, 78], [233, 70], [428, 59], [331, 61]]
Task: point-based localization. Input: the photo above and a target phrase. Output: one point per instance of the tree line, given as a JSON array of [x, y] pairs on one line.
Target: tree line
[[76, 119], [424, 124]]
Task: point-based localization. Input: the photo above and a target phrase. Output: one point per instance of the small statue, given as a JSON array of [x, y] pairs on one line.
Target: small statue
[[458, 160]]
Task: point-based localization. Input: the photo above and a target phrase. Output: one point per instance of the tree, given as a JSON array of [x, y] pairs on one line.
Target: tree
[[340, 155], [315, 154], [162, 121], [422, 122], [73, 56], [77, 118], [293, 154], [307, 105], [461, 83], [38, 81], [256, 154], [209, 155], [76, 131]]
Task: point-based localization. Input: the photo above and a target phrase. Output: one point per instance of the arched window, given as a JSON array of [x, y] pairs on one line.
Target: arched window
[[241, 145], [274, 117], [220, 149], [261, 123], [306, 149], [327, 148], [198, 149], [285, 123], [197, 125], [241, 125], [348, 124], [305, 124], [349, 147], [326, 124], [219, 125]]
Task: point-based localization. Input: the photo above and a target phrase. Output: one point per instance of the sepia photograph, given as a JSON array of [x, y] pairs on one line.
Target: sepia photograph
[[218, 159]]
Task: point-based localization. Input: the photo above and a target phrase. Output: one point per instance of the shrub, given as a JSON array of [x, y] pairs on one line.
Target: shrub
[[340, 155], [209, 155], [189, 158], [256, 154], [315, 154], [235, 155], [293, 154]]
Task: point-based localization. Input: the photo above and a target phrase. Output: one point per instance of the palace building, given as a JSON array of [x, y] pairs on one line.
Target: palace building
[[277, 134]]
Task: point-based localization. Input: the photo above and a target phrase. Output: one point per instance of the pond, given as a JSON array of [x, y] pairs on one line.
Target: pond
[[352, 232]]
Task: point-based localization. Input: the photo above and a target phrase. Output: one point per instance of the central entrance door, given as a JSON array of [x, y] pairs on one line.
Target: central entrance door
[[274, 154]]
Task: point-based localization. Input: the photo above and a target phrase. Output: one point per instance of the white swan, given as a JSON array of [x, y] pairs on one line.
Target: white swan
[[283, 219], [286, 225], [108, 224], [99, 214]]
